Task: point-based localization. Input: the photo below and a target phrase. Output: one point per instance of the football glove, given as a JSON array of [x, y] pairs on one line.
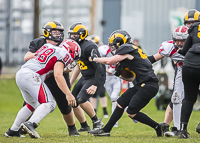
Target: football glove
[[118, 69], [94, 54]]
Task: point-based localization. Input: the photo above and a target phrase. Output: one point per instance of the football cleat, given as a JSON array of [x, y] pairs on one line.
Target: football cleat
[[97, 124], [159, 130], [183, 134], [11, 133], [99, 132], [198, 128], [165, 127], [84, 129], [173, 132], [73, 131], [29, 128]]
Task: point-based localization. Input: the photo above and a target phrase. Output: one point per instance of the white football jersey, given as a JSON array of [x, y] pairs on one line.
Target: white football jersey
[[45, 59], [167, 49], [105, 51]]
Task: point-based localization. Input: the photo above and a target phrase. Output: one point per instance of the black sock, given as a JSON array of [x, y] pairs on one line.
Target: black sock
[[71, 126], [94, 118], [116, 115], [105, 111], [183, 126], [84, 124], [143, 118]]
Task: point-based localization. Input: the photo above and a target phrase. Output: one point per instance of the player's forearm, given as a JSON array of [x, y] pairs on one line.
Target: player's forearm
[[28, 56], [60, 80], [75, 74]]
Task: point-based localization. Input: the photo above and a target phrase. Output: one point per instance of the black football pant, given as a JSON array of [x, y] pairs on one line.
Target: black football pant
[[191, 81]]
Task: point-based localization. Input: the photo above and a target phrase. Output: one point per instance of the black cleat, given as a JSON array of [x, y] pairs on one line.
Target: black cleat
[[198, 128], [73, 131], [183, 134], [165, 127], [173, 132], [99, 132], [159, 130], [23, 132], [29, 128], [84, 129], [97, 124], [11, 133]]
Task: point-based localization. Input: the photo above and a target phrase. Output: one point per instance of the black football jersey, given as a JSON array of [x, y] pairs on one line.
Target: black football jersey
[[36, 44], [140, 66], [191, 48], [86, 67]]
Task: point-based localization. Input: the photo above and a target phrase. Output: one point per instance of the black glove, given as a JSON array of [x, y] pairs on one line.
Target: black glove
[[118, 69], [94, 54]]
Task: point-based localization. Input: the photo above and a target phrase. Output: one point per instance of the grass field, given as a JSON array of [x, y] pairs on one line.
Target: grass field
[[53, 129]]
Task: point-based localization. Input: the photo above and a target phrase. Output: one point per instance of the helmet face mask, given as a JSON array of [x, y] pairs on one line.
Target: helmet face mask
[[53, 27], [77, 32], [118, 38]]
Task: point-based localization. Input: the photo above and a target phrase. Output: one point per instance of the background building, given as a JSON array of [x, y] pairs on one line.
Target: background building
[[149, 21]]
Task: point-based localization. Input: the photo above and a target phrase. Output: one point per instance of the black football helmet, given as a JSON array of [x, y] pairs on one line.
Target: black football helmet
[[80, 30], [192, 15], [117, 38], [53, 25]]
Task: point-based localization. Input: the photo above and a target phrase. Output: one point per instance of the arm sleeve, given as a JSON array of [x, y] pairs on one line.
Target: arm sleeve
[[99, 68], [187, 45], [100, 71], [152, 59]]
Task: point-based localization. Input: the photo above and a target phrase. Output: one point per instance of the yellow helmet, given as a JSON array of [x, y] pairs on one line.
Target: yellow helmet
[[53, 25], [94, 38], [80, 30]]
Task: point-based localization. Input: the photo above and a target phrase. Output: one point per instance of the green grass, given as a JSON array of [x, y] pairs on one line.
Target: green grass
[[53, 129]]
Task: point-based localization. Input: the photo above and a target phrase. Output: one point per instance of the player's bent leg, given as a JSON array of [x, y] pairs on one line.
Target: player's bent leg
[[79, 113], [70, 121], [87, 107]]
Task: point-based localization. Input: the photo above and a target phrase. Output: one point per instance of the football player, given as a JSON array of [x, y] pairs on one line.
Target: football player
[[101, 91], [133, 59], [93, 75], [113, 83], [53, 33], [169, 49], [39, 100], [190, 73]]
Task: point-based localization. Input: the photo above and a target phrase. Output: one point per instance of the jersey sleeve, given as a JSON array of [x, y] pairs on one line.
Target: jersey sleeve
[[124, 49], [89, 49], [64, 57], [36, 44], [167, 49]]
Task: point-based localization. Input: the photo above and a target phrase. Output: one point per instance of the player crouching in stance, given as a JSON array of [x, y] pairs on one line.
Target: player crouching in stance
[[134, 60], [30, 80]]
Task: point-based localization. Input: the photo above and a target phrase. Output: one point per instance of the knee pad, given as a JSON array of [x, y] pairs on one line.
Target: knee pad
[[81, 100], [66, 110], [176, 98]]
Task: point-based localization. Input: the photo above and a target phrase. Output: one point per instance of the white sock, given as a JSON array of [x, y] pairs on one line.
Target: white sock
[[114, 105], [177, 115], [21, 117], [40, 112]]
